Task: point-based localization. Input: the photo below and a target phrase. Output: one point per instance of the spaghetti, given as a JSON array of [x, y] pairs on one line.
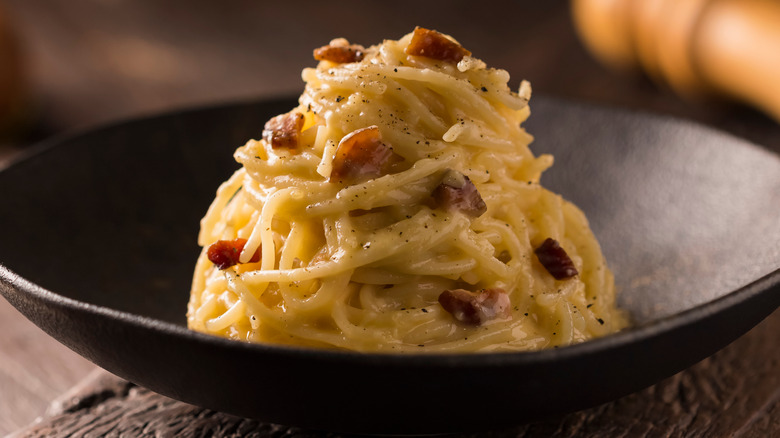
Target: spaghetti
[[398, 209]]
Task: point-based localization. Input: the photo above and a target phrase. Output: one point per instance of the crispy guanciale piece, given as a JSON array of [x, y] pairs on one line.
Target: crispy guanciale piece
[[457, 192], [225, 253], [475, 308], [340, 54], [555, 260], [362, 155], [283, 130], [435, 45]]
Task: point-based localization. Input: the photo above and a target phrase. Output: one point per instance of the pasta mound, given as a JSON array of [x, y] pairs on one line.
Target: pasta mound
[[398, 208]]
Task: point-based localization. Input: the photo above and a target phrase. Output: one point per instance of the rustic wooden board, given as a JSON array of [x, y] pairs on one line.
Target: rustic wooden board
[[34, 369], [736, 392]]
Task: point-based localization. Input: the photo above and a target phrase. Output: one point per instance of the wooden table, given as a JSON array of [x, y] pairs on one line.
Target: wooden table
[[97, 61]]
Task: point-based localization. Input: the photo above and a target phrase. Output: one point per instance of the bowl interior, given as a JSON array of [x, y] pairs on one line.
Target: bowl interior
[[110, 217], [684, 214]]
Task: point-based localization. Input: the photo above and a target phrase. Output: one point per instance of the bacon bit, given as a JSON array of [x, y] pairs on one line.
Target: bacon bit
[[475, 308], [362, 155], [339, 54], [435, 45], [283, 130], [554, 258], [225, 253], [457, 192]]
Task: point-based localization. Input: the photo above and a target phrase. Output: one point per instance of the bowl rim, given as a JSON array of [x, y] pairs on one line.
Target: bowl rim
[[625, 337]]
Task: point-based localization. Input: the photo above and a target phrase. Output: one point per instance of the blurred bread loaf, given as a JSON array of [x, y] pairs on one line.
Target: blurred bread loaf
[[728, 47]]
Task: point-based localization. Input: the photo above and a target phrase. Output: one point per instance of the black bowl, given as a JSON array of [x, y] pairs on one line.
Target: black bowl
[[98, 246]]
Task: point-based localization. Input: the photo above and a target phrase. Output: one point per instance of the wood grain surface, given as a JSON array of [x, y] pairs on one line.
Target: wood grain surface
[[728, 394], [96, 61]]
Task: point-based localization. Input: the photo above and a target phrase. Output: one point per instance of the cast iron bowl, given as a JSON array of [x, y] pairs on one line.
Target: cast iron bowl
[[97, 247]]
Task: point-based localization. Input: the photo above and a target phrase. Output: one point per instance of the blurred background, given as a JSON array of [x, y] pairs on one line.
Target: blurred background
[[67, 65]]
